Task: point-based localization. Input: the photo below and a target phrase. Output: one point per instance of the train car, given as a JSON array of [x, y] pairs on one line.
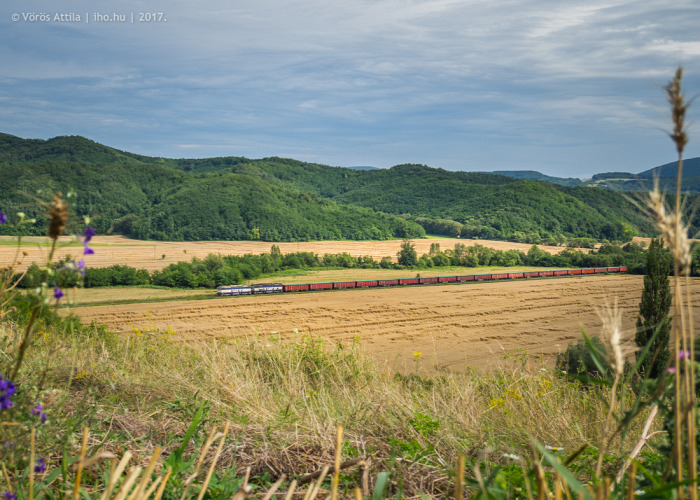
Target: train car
[[234, 290], [428, 281], [409, 281], [265, 288], [447, 279], [368, 283], [344, 284], [387, 282], [469, 277], [320, 286], [296, 288], [268, 288]]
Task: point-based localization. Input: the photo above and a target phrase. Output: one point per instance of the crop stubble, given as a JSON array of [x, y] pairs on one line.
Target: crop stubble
[[454, 326], [155, 255]]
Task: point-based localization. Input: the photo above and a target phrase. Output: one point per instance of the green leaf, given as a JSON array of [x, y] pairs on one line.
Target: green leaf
[[595, 355], [568, 477], [380, 486]]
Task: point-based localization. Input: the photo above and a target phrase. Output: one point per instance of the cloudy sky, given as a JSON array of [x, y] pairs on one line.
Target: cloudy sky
[[569, 88]]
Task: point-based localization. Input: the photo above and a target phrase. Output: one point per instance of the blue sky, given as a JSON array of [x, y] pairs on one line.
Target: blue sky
[[568, 88]]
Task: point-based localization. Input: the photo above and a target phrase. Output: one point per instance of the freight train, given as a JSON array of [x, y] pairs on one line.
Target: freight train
[[263, 288]]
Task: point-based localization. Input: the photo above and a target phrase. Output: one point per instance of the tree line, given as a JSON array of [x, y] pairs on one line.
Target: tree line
[[217, 270]]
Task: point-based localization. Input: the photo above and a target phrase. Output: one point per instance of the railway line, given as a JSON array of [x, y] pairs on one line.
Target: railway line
[[267, 288]]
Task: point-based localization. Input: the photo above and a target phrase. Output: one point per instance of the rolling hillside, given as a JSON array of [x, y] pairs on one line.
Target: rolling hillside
[[277, 199]]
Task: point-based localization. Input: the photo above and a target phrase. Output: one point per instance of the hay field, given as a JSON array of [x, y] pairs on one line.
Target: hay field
[[154, 255], [454, 326]]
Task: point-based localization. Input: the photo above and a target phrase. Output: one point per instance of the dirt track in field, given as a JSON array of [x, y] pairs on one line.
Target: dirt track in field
[[454, 326], [154, 255]]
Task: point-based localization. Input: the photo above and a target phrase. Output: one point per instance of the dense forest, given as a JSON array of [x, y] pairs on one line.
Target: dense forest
[[276, 199]]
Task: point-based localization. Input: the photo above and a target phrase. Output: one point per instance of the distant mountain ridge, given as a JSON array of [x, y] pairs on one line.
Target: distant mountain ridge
[[624, 181]]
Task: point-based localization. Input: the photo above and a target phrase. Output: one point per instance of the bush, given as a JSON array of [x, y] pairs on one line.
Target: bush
[[577, 359]]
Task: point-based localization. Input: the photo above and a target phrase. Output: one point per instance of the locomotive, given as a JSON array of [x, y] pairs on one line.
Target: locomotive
[[264, 288], [250, 289]]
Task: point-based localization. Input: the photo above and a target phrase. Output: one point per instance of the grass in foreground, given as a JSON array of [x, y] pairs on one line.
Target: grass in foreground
[[285, 397]]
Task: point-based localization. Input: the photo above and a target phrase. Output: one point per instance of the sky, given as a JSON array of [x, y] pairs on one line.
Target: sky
[[567, 88]]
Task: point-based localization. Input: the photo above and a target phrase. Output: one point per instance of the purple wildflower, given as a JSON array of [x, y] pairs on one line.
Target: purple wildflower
[[37, 411], [683, 354], [3, 218], [7, 390], [57, 293], [88, 234], [671, 369], [8, 495], [80, 267], [40, 466]]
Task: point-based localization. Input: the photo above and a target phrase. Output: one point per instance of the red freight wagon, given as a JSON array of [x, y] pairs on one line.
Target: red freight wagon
[[482, 277], [613, 269], [515, 275], [409, 281], [387, 282], [623, 269], [546, 273], [471, 277], [321, 286], [503, 276], [367, 283], [575, 271], [343, 284], [428, 281], [447, 279], [562, 272], [588, 271], [296, 288], [601, 270], [533, 274]]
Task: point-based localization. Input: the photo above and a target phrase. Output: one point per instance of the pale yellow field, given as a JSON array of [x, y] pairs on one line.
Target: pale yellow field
[[154, 255], [454, 326]]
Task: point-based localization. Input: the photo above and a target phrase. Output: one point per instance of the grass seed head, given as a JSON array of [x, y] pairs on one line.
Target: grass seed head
[[678, 110], [59, 216], [612, 331], [671, 228]]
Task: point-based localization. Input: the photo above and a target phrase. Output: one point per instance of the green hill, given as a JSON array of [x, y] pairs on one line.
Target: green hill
[[147, 198], [288, 200]]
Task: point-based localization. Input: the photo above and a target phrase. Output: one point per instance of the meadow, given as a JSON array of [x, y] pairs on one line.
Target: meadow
[[148, 412]]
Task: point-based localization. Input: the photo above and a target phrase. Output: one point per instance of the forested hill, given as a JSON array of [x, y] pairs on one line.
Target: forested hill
[[289, 200], [148, 198]]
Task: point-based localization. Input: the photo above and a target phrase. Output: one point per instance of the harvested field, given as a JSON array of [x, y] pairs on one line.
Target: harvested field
[[78, 296], [454, 326], [154, 255]]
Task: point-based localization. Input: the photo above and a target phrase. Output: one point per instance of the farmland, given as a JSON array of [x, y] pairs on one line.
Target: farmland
[[454, 326], [155, 255]]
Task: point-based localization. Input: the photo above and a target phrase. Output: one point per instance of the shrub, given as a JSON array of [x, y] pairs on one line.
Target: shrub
[[577, 359]]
